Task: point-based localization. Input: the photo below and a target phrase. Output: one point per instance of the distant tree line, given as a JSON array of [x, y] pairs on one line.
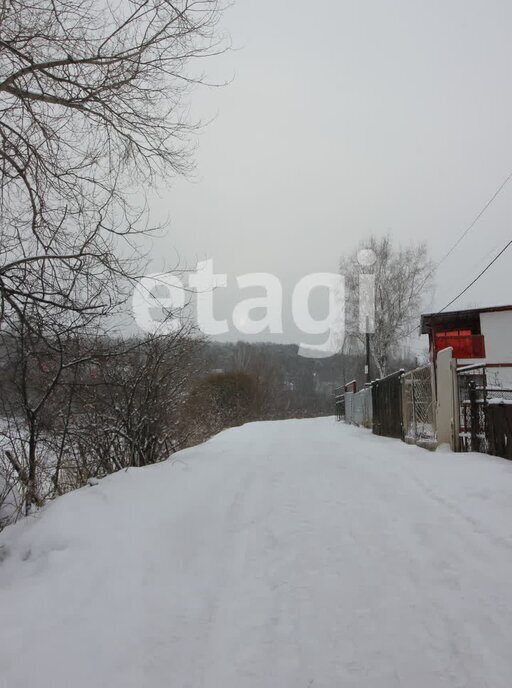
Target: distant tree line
[[95, 405]]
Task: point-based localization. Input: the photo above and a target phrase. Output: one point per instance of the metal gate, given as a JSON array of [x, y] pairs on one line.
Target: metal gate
[[387, 405], [418, 405]]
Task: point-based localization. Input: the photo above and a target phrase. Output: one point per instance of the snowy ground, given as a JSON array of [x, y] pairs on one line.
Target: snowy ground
[[299, 554]]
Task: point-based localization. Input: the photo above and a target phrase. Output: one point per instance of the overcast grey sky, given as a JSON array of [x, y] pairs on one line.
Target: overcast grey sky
[[346, 118]]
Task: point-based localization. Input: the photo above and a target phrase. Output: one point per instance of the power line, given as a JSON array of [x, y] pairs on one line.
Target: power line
[[416, 327], [477, 217], [468, 228], [466, 231], [477, 277], [454, 246]]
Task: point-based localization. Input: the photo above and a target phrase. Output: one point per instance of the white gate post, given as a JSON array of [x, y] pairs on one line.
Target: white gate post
[[445, 402]]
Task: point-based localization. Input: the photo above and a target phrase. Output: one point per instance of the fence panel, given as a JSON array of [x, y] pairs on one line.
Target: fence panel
[[485, 414], [354, 407], [349, 407], [418, 406], [339, 403], [387, 405], [472, 384], [500, 428], [343, 401], [362, 408]]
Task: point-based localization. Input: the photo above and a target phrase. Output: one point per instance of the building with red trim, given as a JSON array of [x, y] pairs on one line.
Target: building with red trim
[[476, 335]]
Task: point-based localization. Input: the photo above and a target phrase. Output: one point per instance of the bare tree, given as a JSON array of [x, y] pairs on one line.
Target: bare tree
[[88, 407], [403, 279], [131, 403], [93, 111], [39, 357], [91, 108], [221, 400]]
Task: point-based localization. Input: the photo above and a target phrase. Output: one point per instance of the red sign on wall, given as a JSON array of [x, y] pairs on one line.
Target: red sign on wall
[[465, 345]]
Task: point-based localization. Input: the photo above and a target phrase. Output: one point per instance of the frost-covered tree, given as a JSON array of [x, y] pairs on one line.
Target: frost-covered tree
[[403, 280]]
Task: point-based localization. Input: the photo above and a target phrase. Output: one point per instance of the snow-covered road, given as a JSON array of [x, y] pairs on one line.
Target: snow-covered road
[[297, 554]]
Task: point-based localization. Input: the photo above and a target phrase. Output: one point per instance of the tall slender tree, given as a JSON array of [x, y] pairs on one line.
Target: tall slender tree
[[402, 278]]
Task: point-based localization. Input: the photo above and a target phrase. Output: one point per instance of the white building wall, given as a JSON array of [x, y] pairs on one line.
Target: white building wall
[[497, 331]]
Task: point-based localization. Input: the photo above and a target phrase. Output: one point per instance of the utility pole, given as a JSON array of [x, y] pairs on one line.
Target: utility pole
[[367, 366]]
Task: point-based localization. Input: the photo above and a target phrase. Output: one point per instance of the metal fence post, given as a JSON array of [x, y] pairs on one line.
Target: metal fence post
[[473, 415], [413, 393]]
